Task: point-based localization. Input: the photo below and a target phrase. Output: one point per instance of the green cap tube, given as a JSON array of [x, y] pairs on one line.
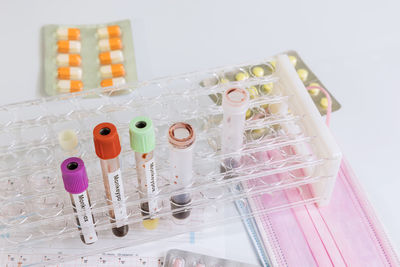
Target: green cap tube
[[141, 132]]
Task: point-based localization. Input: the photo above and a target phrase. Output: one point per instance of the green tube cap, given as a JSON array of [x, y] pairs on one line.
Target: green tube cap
[[141, 132]]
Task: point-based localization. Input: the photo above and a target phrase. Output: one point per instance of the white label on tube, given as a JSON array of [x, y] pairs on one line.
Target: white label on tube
[[117, 197], [85, 217], [151, 183]]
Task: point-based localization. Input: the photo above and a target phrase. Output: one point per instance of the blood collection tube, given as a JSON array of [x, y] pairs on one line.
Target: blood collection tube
[[142, 139], [76, 183], [181, 139], [108, 148], [235, 103]]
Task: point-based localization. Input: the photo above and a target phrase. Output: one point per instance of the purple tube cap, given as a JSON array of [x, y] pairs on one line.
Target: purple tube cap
[[74, 175]]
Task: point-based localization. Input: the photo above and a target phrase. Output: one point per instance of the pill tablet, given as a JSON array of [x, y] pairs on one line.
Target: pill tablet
[[240, 76], [293, 60], [110, 44], [223, 80], [253, 92], [303, 74], [111, 57], [314, 91], [258, 71], [69, 73], [68, 86], [68, 34], [110, 71], [267, 88], [64, 60], [67, 46], [113, 82], [249, 113], [108, 32], [324, 102]]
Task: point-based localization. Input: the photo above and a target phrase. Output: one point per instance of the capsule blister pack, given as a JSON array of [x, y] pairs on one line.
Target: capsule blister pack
[[82, 57], [285, 149], [181, 258]]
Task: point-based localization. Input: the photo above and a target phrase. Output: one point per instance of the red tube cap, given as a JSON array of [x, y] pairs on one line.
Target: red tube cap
[[106, 141]]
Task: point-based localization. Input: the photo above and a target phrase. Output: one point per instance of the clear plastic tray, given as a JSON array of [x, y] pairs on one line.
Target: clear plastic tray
[[36, 209]]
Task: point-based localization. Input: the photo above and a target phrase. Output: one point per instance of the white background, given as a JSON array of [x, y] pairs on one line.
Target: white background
[[352, 46]]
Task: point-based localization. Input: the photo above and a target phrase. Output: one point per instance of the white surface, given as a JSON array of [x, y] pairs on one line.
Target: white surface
[[353, 47]]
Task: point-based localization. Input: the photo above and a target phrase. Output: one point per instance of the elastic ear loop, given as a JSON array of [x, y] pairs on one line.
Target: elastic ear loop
[[328, 97]]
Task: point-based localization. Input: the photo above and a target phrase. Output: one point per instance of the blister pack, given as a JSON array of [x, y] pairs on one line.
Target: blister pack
[[82, 57], [181, 258], [313, 84], [160, 160]]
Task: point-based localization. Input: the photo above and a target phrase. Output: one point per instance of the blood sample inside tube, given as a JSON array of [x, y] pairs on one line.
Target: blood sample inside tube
[[234, 105], [108, 148], [181, 138], [76, 184]]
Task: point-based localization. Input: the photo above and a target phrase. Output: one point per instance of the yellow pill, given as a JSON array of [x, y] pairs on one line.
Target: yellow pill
[[241, 76], [267, 88], [293, 60], [253, 92], [324, 102], [223, 80], [273, 63], [257, 133], [249, 113], [313, 91], [265, 106], [303, 74], [258, 71], [150, 224]]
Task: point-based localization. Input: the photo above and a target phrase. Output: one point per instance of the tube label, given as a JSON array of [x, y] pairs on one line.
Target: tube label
[[85, 217], [117, 197], [151, 184]]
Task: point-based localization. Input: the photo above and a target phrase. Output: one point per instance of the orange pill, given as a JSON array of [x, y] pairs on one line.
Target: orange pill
[[69, 73], [76, 86], [110, 31], [111, 57], [66, 46], [64, 60], [110, 71], [65, 86], [112, 82], [110, 44], [68, 33]]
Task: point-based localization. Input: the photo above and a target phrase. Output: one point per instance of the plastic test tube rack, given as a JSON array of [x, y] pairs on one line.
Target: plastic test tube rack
[[36, 211]]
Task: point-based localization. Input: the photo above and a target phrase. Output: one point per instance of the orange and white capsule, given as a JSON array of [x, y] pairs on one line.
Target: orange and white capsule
[[69, 73], [64, 60], [68, 34], [111, 71], [69, 86], [67, 46], [110, 44], [111, 57], [113, 82], [108, 32]]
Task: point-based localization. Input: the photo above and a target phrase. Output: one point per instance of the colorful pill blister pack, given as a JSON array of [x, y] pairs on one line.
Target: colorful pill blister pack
[[181, 258], [81, 57]]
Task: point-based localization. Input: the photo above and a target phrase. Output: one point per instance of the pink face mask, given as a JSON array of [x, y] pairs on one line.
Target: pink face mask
[[344, 233]]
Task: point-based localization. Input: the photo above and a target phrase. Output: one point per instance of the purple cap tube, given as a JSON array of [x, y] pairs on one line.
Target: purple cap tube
[[74, 175]]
